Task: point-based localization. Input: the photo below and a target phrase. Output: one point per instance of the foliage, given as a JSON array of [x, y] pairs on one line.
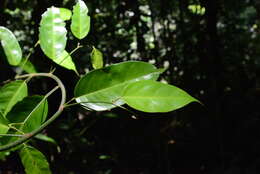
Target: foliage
[[23, 116]]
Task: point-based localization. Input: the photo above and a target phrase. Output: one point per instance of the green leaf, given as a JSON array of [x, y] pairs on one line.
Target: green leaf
[[151, 96], [34, 161], [4, 154], [65, 14], [52, 33], [11, 46], [46, 138], [197, 9], [101, 89], [27, 66], [31, 111], [96, 58], [10, 94], [80, 21], [65, 61], [3, 125]]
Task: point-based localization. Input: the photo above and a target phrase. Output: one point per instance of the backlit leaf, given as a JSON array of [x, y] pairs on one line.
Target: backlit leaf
[[96, 58], [27, 66], [31, 111], [80, 21], [151, 96], [65, 14], [10, 94], [65, 61]]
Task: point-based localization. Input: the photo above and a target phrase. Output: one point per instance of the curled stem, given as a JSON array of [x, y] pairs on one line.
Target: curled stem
[[27, 136]]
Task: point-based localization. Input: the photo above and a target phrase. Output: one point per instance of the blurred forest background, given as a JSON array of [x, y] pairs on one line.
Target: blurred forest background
[[211, 49]]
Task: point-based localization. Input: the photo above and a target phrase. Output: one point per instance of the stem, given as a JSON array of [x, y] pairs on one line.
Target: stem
[[11, 135], [28, 56], [75, 49], [27, 136]]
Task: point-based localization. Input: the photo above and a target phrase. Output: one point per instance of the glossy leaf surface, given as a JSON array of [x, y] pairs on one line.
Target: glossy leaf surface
[[11, 46], [65, 14], [80, 21], [34, 161], [99, 88], [52, 33], [96, 58], [31, 111], [65, 61], [151, 96], [10, 94]]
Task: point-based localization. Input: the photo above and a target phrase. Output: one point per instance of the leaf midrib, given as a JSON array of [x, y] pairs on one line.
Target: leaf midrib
[[16, 93], [114, 86]]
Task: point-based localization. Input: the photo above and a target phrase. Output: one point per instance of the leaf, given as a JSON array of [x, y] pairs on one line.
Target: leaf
[[45, 138], [65, 14], [34, 161], [151, 96], [101, 89], [80, 21], [48, 139], [11, 46], [96, 58], [10, 94], [3, 125], [52, 33], [65, 61], [197, 9], [27, 66], [31, 111]]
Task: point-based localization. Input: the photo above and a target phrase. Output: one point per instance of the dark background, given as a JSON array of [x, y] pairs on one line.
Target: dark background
[[215, 56]]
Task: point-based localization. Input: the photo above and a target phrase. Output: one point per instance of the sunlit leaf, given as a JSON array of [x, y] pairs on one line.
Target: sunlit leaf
[[96, 58], [65, 61], [31, 111], [65, 14], [10, 94], [52, 33], [80, 21], [102, 89], [197, 9], [11, 46], [34, 161], [151, 96]]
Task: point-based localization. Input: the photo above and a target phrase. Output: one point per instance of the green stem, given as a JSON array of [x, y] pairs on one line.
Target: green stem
[[28, 56], [27, 136], [11, 135]]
